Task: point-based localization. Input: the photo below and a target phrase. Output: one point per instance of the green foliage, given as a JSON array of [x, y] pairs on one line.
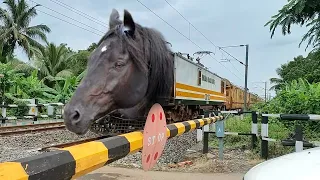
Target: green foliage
[[9, 79], [301, 67], [299, 12], [15, 28], [92, 47], [78, 63], [32, 87], [52, 61], [297, 97], [65, 87]]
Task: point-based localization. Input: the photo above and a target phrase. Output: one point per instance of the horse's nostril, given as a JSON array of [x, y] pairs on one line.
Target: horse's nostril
[[75, 116]]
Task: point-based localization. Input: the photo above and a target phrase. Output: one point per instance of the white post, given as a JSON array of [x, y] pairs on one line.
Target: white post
[[206, 127], [213, 125], [200, 133], [4, 112], [50, 110], [299, 146]]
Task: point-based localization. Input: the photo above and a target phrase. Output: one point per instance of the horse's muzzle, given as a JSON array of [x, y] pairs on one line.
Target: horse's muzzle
[[76, 121]]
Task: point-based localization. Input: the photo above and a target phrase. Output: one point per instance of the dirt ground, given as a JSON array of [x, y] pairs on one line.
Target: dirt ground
[[114, 173], [234, 161]]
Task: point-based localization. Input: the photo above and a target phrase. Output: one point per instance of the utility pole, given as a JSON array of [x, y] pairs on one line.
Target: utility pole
[[265, 91], [246, 78], [246, 70]]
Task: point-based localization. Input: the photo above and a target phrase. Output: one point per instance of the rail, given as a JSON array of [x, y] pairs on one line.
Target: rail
[[75, 161], [11, 130]]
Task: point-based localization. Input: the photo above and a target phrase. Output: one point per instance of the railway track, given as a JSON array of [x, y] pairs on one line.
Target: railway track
[[11, 130]]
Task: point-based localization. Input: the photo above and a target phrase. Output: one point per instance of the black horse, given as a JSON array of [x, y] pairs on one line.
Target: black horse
[[130, 70]]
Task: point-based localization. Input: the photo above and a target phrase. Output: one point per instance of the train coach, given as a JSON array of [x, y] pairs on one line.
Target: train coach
[[235, 97], [196, 89]]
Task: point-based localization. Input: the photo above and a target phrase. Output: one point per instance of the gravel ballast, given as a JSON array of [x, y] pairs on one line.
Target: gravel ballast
[[173, 152], [24, 145]]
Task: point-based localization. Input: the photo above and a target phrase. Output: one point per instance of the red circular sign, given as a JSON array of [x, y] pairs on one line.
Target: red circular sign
[[154, 137]]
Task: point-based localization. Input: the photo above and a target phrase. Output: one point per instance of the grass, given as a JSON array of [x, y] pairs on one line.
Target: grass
[[276, 130]]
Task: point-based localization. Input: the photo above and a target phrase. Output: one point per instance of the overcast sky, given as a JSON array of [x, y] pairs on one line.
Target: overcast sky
[[223, 22]]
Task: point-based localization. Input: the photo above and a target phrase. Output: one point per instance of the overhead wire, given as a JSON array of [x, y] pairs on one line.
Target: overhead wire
[[232, 56], [190, 23], [231, 63], [169, 24], [70, 23], [235, 68], [62, 4], [69, 17], [186, 37], [204, 35]]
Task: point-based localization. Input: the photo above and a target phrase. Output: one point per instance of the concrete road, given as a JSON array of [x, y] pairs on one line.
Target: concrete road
[[112, 173]]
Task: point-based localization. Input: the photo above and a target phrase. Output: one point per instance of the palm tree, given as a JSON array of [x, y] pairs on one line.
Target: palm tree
[[52, 61], [298, 12], [65, 87], [279, 83], [15, 29], [20, 66]]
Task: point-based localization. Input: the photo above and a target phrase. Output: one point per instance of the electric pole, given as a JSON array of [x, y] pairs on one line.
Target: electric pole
[[246, 71], [246, 78], [265, 91]]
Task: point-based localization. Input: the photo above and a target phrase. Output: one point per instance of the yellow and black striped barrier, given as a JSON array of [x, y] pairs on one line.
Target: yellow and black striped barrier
[[78, 160]]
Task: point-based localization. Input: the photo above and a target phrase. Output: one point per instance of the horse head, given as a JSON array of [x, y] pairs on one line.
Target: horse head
[[130, 68]]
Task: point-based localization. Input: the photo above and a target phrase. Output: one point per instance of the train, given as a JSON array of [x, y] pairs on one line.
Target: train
[[194, 90], [235, 97]]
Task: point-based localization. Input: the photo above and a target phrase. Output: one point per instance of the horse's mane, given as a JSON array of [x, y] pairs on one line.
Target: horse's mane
[[150, 53]]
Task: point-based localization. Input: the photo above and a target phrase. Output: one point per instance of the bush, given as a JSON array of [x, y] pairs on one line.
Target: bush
[[297, 97]]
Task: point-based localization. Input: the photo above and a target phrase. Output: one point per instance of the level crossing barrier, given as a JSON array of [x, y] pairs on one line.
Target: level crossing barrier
[[219, 131], [298, 140], [75, 161]]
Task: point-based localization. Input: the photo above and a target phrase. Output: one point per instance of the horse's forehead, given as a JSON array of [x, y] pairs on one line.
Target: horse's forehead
[[103, 47], [105, 44]]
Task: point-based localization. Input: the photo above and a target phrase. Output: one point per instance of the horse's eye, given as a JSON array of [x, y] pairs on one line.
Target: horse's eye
[[119, 64]]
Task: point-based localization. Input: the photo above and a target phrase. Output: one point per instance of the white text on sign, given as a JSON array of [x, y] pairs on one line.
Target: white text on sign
[[151, 139]]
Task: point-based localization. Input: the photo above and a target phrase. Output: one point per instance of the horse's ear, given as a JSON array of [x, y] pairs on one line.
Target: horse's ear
[[114, 19], [129, 23]]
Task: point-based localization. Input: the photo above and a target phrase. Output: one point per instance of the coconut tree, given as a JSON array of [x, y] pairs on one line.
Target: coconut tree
[[53, 62], [278, 83], [299, 12], [15, 28]]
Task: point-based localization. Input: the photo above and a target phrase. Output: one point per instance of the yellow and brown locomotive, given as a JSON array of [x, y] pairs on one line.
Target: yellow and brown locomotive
[[196, 88]]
